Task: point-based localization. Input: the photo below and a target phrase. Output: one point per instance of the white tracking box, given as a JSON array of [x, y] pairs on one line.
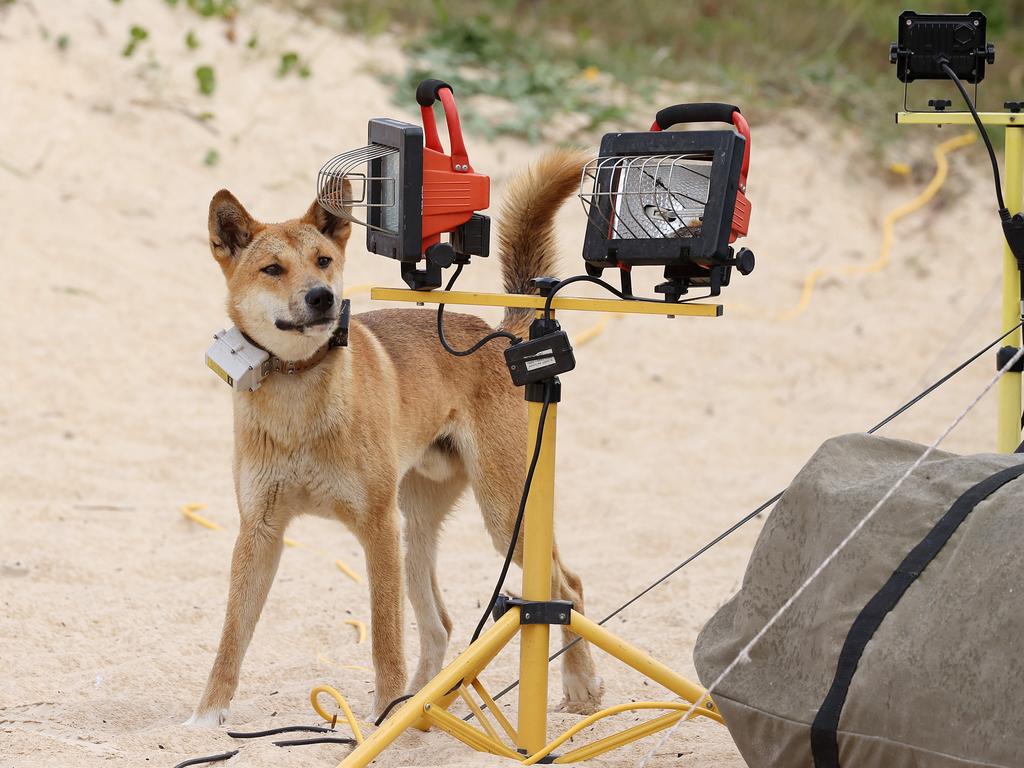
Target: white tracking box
[[238, 361]]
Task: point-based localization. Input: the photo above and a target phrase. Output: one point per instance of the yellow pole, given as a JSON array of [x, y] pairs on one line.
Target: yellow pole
[[1009, 384], [538, 527]]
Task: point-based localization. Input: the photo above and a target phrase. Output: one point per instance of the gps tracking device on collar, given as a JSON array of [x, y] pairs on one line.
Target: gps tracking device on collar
[[243, 364], [410, 193], [238, 361]]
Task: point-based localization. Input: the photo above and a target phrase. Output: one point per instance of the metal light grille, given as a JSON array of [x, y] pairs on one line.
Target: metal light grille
[[644, 197], [372, 176]]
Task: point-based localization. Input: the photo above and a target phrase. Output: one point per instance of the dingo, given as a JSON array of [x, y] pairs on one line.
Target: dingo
[[390, 422]]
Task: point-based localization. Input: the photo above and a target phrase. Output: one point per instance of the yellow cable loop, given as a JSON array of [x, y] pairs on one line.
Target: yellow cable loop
[[360, 630], [680, 706], [189, 511], [888, 225], [347, 570], [345, 709], [591, 333]]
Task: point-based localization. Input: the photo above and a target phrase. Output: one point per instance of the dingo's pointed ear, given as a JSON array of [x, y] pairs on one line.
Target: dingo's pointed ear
[[335, 227], [231, 227]]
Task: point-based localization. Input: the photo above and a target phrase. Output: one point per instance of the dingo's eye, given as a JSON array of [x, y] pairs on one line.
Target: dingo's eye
[[323, 261], [273, 270]]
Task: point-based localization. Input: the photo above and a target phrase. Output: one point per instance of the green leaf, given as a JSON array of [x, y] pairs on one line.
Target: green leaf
[[191, 41], [206, 80], [211, 158], [135, 36], [289, 61]]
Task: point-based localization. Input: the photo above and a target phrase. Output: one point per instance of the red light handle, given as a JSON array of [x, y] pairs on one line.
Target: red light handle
[[427, 92], [708, 113]]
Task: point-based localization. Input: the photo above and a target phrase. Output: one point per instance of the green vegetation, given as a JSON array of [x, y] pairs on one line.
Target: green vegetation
[[225, 9], [550, 59], [191, 40], [206, 80], [211, 158], [291, 62], [136, 35]]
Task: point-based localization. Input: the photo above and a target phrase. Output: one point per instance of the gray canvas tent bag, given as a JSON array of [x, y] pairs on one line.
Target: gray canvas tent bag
[[925, 605]]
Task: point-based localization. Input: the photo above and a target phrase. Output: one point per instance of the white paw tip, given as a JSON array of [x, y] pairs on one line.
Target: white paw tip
[[210, 719]]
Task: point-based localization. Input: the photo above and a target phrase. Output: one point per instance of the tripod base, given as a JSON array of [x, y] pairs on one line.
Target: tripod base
[[528, 742], [429, 706]]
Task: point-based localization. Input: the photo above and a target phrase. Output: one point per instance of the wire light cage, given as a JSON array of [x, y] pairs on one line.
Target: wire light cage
[[670, 198], [639, 197], [379, 186], [343, 186]]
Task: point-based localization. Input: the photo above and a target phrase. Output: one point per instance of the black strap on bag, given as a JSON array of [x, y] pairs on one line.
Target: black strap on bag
[[824, 739]]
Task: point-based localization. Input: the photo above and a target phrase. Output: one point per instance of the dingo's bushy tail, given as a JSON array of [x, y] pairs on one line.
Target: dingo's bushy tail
[[526, 239]]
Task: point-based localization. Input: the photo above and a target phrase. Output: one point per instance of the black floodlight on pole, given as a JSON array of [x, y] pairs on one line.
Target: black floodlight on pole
[[674, 199], [929, 42]]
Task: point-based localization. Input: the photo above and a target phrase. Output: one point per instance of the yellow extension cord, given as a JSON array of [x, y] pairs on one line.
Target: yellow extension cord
[[888, 226]]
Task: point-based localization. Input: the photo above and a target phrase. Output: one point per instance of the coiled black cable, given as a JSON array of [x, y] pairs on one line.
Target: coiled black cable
[[488, 338]]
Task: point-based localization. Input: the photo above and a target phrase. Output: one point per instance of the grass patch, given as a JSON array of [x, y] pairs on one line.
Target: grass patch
[[576, 57]]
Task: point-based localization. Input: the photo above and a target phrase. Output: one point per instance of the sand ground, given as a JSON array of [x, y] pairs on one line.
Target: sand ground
[[670, 429]]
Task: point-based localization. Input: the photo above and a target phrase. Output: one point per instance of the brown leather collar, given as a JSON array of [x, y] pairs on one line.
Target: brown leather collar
[[338, 339]]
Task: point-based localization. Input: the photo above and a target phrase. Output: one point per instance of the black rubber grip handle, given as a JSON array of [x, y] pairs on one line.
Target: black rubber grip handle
[[426, 92], [695, 113]]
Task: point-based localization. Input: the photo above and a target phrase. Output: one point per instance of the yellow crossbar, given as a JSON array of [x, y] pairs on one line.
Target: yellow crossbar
[[478, 299], [959, 118]]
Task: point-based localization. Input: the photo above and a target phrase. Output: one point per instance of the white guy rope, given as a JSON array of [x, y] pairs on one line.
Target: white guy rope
[[744, 655]]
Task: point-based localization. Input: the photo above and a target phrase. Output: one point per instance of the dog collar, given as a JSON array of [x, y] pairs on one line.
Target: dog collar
[[243, 363], [338, 339]]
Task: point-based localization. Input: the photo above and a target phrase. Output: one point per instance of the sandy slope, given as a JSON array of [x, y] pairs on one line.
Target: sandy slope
[[670, 429]]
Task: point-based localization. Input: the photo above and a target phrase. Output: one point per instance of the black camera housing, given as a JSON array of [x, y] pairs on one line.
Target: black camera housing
[[926, 41]]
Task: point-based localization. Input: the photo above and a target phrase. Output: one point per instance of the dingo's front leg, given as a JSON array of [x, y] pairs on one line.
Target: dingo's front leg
[[380, 537], [253, 565]]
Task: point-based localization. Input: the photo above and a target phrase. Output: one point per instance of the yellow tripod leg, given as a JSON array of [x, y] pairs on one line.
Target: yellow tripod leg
[[538, 534], [642, 663], [1009, 385], [444, 687]]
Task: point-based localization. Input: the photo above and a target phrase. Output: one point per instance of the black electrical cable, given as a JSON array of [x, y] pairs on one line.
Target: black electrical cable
[[519, 515], [928, 390], [316, 740], [208, 759], [984, 135], [611, 289], [488, 338], [276, 731], [763, 506], [387, 710]]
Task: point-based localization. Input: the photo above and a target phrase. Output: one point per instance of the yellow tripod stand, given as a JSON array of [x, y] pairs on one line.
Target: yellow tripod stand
[[528, 743], [1008, 435]]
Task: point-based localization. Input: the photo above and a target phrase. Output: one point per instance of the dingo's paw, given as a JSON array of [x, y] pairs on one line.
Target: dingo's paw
[[211, 718]]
